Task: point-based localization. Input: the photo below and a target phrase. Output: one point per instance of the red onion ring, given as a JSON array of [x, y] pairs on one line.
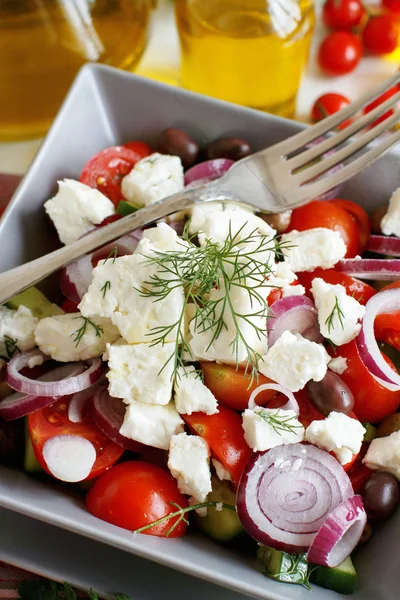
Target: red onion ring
[[206, 171], [339, 534], [296, 314], [62, 387], [108, 414], [78, 402], [370, 268], [291, 404], [286, 493], [384, 244]]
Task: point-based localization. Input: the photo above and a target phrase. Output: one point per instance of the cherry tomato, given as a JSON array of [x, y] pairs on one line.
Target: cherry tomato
[[307, 411], [388, 94], [224, 434], [53, 420], [105, 170], [380, 35], [69, 306], [387, 328], [328, 104], [392, 5], [342, 14], [110, 219], [361, 291], [358, 472], [140, 148], [339, 53], [134, 494], [372, 402], [276, 294], [323, 213], [359, 215], [232, 387]]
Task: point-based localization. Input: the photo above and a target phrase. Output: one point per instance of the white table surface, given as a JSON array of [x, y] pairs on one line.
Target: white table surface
[[162, 56]]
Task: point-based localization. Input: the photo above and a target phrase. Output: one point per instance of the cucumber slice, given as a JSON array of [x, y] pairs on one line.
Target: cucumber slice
[[31, 464], [370, 434], [37, 303], [342, 579], [285, 567], [220, 525], [126, 208]]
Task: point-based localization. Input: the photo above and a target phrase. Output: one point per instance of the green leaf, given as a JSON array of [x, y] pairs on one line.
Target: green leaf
[[119, 596], [67, 592]]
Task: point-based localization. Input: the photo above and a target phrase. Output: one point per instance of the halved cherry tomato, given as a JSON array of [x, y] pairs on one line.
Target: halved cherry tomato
[[358, 472], [53, 420], [69, 306], [387, 328], [359, 215], [134, 494], [141, 148], [224, 434], [232, 388], [105, 170], [372, 401], [323, 213], [361, 291]]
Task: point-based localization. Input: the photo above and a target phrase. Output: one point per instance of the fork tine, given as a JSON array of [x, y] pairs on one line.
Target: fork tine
[[308, 135], [304, 157]]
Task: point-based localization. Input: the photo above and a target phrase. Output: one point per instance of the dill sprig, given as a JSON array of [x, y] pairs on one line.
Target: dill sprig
[[79, 333], [11, 346], [340, 315], [279, 422], [113, 254], [105, 288]]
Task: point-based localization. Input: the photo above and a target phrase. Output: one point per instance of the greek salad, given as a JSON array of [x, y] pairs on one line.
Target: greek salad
[[221, 370]]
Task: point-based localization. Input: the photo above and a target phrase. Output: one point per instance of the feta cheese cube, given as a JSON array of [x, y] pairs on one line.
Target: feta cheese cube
[[17, 329], [293, 361], [151, 424], [265, 428], [384, 454], [338, 313], [189, 463], [153, 178], [390, 223], [162, 238], [191, 395], [338, 365], [339, 434], [222, 473], [76, 209], [319, 247], [282, 278], [141, 372], [57, 336]]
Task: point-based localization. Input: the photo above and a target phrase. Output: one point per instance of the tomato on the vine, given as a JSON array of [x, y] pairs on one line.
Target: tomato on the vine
[[382, 98], [380, 35], [340, 53], [329, 104], [360, 290], [342, 14]]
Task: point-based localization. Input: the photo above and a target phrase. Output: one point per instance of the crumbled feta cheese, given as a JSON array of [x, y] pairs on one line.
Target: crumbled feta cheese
[[153, 178], [76, 209], [162, 238], [390, 223], [58, 336], [191, 395], [35, 361], [17, 329], [219, 506], [222, 473], [265, 428], [337, 433], [338, 313], [202, 512], [319, 247], [136, 372], [292, 361], [189, 463], [384, 454], [282, 278], [151, 424], [338, 365]]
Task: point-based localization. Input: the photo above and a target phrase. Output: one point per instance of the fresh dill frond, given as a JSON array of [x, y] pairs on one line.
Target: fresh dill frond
[[340, 315], [113, 254], [79, 333], [279, 422], [11, 346], [105, 288]]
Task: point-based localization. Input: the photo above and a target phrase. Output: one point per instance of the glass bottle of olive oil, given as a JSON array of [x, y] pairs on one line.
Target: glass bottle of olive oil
[[251, 52], [43, 43]]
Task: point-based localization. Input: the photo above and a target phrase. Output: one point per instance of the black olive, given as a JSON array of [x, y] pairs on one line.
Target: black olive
[[380, 495], [232, 148], [330, 394], [179, 143]]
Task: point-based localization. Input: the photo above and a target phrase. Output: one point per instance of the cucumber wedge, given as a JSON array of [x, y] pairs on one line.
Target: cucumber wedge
[[342, 579], [285, 567], [31, 465], [37, 303], [126, 208]]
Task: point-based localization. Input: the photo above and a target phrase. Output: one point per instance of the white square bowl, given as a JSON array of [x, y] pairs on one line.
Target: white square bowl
[[103, 108]]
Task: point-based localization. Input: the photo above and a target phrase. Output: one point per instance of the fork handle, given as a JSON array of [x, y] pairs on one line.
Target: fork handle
[[20, 278]]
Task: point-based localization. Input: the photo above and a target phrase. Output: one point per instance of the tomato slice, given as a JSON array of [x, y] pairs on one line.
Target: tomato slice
[[224, 434], [53, 420], [361, 291], [360, 217]]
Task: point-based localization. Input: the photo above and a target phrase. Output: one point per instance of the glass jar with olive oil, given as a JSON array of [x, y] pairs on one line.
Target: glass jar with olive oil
[[251, 52], [43, 43]]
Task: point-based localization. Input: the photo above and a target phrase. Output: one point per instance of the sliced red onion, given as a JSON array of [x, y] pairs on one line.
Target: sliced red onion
[[291, 404], [339, 534], [296, 314], [206, 171], [108, 414], [370, 268], [386, 301], [62, 387], [19, 405], [384, 244], [78, 402], [69, 457], [286, 493]]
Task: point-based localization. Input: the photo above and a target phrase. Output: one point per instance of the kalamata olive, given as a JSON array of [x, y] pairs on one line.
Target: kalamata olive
[[380, 495], [179, 143], [233, 148], [331, 393], [279, 221], [376, 218], [366, 534], [389, 425]]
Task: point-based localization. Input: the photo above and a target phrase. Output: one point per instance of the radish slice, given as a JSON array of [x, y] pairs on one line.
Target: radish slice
[[380, 269], [78, 402], [69, 457], [339, 534], [384, 244], [108, 414], [62, 387], [286, 493], [206, 171], [291, 404], [19, 405], [296, 314]]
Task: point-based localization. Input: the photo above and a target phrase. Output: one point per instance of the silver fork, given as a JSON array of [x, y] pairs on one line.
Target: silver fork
[[278, 178]]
